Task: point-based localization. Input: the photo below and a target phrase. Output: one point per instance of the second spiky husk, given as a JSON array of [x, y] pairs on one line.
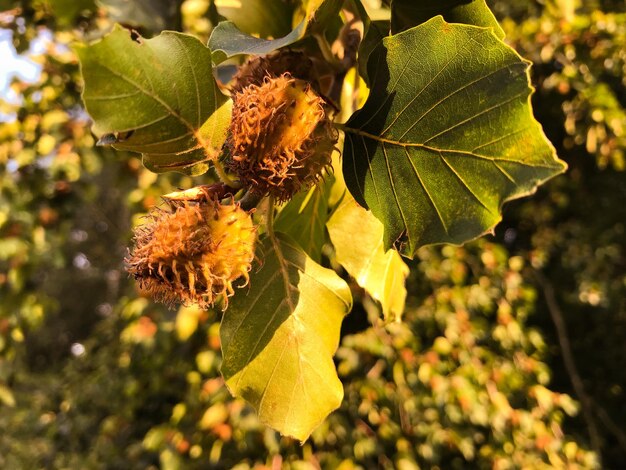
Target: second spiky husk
[[193, 252]]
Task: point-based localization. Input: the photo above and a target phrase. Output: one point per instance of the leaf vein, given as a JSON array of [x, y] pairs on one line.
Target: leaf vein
[[383, 140], [432, 201], [169, 141], [445, 98], [111, 97], [395, 194], [504, 172], [464, 183], [253, 350], [471, 118], [283, 270], [270, 377], [501, 138], [195, 81], [151, 95], [178, 153], [446, 65]]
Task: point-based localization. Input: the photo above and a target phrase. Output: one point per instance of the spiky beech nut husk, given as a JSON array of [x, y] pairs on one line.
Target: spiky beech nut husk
[[280, 137], [256, 69], [193, 252]]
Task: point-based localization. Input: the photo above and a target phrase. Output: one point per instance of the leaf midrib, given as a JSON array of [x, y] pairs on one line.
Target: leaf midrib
[[430, 148], [154, 97]]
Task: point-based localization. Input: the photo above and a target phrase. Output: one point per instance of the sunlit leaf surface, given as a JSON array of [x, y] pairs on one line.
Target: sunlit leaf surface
[[408, 13], [155, 96], [447, 135], [304, 219], [228, 41], [278, 340], [358, 240], [231, 38]]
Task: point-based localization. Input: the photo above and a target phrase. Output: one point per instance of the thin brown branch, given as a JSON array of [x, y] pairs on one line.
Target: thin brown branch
[[611, 426], [570, 364]]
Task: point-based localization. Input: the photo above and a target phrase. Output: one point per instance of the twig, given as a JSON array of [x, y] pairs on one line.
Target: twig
[[223, 176], [326, 51], [611, 426], [270, 217], [570, 365], [250, 200]]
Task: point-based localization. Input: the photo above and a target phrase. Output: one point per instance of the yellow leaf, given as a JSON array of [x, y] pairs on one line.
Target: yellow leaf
[[359, 246], [213, 416], [187, 321], [6, 396]]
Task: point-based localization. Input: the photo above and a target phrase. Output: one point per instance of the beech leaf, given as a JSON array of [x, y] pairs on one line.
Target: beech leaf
[[304, 219], [157, 97], [156, 15], [228, 40], [358, 240], [408, 13], [373, 34], [446, 136], [278, 340], [259, 18]]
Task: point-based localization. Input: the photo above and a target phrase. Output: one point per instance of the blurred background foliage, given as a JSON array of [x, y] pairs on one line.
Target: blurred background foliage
[[511, 353]]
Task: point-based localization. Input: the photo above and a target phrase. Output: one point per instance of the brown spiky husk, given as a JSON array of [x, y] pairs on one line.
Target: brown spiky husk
[[192, 253], [256, 69], [280, 138]]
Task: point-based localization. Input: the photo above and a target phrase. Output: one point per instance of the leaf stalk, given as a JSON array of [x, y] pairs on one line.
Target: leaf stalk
[[327, 52], [224, 177]]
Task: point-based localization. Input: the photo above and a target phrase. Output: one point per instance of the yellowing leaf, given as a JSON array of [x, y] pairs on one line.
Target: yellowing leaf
[[46, 144], [231, 38], [270, 18], [358, 240], [213, 416], [6, 396], [187, 321], [278, 340]]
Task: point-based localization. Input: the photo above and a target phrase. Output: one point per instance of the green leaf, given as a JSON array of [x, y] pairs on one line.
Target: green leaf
[[304, 219], [318, 13], [358, 240], [155, 15], [373, 34], [278, 340], [66, 11], [446, 136], [228, 41], [9, 4], [157, 97], [408, 13], [262, 18]]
